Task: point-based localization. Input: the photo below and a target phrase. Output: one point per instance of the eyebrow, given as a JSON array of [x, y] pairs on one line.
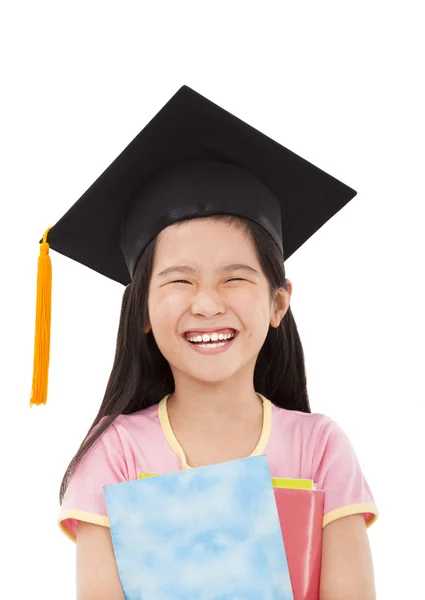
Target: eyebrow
[[226, 268]]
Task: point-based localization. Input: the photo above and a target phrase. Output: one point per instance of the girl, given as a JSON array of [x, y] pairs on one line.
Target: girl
[[209, 366]]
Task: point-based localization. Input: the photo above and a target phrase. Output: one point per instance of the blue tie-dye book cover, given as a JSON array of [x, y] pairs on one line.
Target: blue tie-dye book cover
[[210, 533]]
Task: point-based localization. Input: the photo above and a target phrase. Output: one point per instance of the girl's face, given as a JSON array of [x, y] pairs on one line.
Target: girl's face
[[203, 292]]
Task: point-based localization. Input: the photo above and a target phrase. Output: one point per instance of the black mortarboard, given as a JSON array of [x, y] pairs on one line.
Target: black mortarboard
[[192, 159]]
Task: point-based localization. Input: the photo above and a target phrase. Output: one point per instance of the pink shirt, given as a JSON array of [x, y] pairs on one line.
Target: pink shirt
[[298, 445]]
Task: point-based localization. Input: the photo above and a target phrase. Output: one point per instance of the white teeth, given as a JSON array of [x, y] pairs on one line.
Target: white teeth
[[214, 337]]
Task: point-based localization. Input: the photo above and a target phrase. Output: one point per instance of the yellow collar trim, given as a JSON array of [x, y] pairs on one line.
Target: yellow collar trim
[[178, 450]]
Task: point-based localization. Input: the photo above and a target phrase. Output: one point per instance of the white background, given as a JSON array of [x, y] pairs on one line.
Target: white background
[[338, 83]]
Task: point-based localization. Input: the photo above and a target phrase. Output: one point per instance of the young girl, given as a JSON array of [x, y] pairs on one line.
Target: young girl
[[195, 218]]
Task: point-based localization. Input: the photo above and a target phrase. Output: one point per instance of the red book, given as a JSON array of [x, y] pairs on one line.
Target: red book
[[301, 520]]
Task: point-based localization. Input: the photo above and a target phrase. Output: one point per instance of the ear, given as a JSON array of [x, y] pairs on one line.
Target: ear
[[281, 304], [147, 326]]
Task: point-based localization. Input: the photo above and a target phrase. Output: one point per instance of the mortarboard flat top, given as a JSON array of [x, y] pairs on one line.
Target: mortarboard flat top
[[189, 126]]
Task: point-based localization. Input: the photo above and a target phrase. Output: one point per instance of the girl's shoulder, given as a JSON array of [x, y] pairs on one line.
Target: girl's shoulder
[[143, 422], [295, 420], [301, 437], [126, 429], [144, 416]]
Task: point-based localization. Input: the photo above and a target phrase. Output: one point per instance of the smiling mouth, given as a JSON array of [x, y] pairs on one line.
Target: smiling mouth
[[211, 346], [233, 334]]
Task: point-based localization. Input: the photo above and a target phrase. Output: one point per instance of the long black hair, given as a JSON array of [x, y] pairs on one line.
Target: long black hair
[[141, 376]]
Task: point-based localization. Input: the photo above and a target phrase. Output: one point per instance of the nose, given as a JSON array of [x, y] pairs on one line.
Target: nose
[[208, 302]]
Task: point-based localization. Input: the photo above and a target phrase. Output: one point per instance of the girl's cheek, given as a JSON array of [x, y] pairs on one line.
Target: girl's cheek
[[166, 309], [172, 301], [248, 299]]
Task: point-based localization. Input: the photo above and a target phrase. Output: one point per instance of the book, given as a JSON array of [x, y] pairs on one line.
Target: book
[[301, 520], [210, 533], [300, 507], [299, 484]]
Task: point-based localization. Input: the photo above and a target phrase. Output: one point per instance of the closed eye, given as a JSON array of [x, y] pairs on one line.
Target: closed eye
[[232, 279]]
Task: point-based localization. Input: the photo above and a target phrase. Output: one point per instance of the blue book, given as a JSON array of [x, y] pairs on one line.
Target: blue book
[[209, 533]]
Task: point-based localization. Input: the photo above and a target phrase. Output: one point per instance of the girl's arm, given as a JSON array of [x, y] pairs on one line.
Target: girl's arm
[[347, 570], [97, 573]]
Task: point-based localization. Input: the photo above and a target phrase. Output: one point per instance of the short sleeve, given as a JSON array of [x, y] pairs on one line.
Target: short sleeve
[[337, 471], [84, 499]]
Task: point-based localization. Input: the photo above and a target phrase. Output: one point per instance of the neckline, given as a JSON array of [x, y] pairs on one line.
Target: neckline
[[178, 450]]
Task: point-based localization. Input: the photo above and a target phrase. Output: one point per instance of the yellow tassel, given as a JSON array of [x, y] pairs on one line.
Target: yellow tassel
[[42, 325]]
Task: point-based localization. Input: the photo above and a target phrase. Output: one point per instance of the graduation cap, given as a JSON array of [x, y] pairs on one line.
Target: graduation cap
[[193, 159]]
